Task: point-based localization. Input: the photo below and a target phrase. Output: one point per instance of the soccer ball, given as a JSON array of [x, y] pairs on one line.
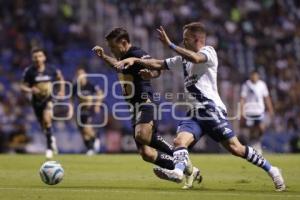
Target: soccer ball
[[51, 172]]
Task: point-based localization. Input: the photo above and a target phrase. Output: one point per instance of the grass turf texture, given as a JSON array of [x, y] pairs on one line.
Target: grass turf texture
[[124, 177]]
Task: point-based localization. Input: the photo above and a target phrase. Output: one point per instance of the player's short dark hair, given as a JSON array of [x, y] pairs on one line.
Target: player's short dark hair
[[117, 34], [255, 71], [37, 49], [196, 27]]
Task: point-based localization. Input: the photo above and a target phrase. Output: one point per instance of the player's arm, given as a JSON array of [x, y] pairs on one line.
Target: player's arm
[[107, 59], [185, 53], [152, 64], [242, 104], [269, 105], [147, 74], [25, 87], [62, 86]]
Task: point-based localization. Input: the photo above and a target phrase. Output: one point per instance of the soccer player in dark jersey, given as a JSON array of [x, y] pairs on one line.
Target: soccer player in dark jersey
[[151, 146], [90, 97], [38, 80], [208, 113]]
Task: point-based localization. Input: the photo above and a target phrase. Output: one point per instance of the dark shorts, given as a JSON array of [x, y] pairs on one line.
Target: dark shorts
[[208, 120], [253, 120], [39, 106], [144, 114], [85, 117]]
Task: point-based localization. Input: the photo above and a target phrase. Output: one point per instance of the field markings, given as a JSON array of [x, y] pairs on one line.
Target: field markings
[[208, 193]]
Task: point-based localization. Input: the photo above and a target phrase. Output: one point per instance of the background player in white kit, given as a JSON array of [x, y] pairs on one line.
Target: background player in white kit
[[208, 116], [254, 98]]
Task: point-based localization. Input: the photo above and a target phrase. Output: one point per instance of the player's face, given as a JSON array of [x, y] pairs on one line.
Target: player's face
[[193, 41], [81, 76], [254, 77], [118, 48], [39, 58]]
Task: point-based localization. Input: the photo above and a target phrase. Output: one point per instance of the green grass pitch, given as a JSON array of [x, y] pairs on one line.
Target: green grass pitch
[[123, 177]]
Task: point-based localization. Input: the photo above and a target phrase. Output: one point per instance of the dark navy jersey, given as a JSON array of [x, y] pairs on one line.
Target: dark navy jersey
[[85, 90], [142, 88], [32, 76], [42, 80]]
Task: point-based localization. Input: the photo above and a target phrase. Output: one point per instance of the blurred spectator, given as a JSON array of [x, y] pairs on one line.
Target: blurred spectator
[[247, 34]]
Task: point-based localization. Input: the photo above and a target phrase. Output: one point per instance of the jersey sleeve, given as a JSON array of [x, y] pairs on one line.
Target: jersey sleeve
[[265, 90], [173, 62], [244, 91], [210, 54], [26, 76]]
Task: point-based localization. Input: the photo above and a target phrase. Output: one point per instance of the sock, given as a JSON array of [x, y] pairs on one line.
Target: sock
[[257, 159], [89, 143], [48, 134], [164, 160], [180, 158], [159, 143]]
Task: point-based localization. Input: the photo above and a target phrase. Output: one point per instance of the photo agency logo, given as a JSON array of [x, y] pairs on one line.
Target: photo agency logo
[[122, 110]]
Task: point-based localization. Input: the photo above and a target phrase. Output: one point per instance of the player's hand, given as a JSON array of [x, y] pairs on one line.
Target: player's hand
[[99, 51], [163, 37], [124, 64], [145, 74], [35, 90]]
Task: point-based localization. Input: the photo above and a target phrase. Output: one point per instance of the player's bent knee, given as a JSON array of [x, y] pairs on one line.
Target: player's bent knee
[[177, 142], [147, 154], [180, 142]]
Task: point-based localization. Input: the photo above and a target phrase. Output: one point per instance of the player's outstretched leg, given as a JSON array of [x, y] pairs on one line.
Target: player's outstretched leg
[[144, 135], [159, 143], [236, 148], [183, 165], [156, 157]]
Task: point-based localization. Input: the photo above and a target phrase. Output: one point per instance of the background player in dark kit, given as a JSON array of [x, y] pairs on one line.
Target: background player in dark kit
[[38, 80]]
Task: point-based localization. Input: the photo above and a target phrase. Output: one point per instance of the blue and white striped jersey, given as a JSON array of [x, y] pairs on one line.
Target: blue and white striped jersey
[[200, 79]]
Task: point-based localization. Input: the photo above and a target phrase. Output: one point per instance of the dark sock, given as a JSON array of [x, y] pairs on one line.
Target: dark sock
[[89, 143], [159, 143], [164, 160], [48, 134]]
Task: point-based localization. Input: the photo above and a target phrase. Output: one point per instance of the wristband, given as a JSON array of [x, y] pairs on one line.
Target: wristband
[[172, 45]]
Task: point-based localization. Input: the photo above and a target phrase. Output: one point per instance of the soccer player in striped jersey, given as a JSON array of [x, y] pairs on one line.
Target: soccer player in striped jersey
[[254, 98], [208, 116]]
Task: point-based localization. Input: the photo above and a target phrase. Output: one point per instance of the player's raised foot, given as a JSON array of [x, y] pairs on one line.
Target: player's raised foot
[[277, 178], [169, 175], [49, 154], [195, 176], [90, 152], [53, 145]]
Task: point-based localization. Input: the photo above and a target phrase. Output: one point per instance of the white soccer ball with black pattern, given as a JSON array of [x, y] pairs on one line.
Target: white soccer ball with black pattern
[[51, 172]]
